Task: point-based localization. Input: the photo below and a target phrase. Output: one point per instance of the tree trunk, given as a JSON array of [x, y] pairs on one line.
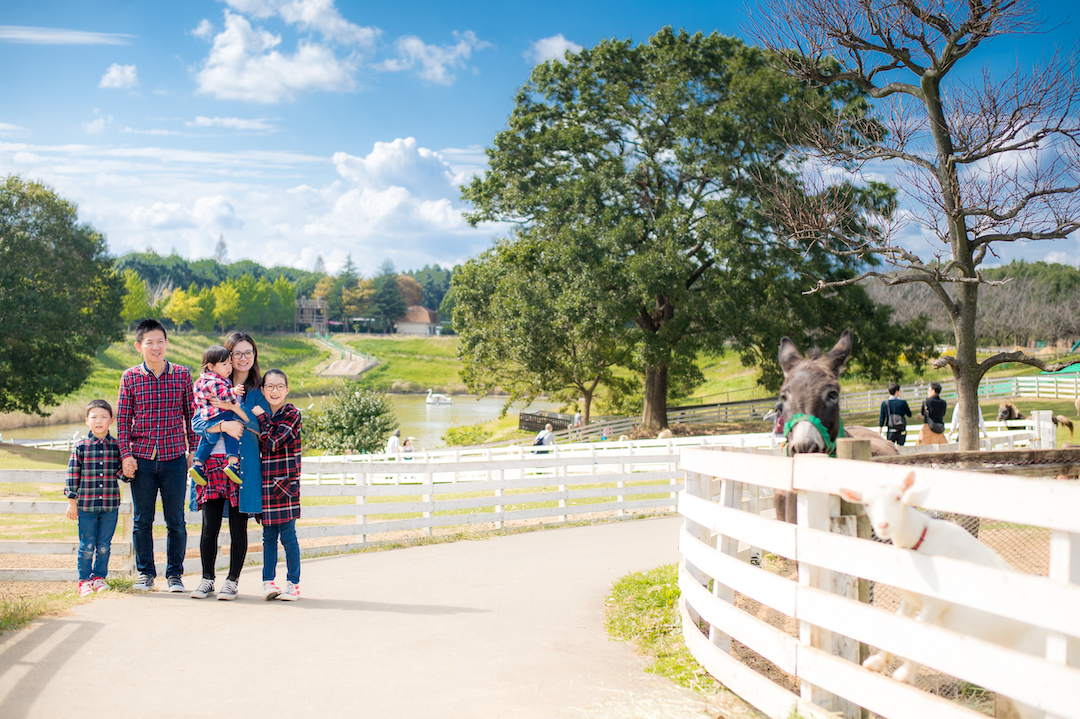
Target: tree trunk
[[966, 371], [586, 401], [655, 415]]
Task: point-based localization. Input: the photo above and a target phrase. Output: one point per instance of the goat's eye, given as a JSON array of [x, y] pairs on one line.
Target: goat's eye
[[833, 395]]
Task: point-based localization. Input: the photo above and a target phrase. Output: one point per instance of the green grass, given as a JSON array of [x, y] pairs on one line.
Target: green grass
[[16, 613], [643, 609], [410, 364], [13, 456]]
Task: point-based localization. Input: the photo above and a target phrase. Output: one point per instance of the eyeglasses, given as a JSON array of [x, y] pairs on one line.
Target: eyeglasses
[[248, 354], [275, 387]]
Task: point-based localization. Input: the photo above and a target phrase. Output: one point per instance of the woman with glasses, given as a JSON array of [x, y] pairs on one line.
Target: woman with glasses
[[221, 497]]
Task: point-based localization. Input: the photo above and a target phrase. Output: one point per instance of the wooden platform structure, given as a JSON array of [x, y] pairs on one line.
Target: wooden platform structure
[[311, 313]]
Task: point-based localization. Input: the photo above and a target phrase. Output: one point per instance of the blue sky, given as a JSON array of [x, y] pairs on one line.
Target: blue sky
[[300, 128]]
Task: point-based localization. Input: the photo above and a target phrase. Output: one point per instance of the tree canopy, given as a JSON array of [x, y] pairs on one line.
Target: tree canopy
[[640, 162], [60, 298]]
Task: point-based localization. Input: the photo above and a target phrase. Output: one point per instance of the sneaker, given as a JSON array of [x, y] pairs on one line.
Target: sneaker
[[229, 590], [176, 584], [205, 589], [270, 591], [230, 472], [98, 584], [194, 471], [86, 588], [291, 593], [145, 583]]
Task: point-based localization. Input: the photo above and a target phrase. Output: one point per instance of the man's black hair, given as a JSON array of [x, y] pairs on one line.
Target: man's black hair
[[148, 325], [894, 387], [936, 386], [99, 404]]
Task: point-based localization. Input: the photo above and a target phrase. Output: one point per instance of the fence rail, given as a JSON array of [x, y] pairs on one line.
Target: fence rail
[[824, 600]]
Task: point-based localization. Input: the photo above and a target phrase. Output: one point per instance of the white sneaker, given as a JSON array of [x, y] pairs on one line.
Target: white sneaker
[[229, 590], [204, 590], [291, 593], [270, 591], [98, 584], [86, 588]]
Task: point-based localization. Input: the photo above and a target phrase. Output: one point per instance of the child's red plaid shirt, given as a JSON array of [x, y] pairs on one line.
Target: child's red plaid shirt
[[280, 447]]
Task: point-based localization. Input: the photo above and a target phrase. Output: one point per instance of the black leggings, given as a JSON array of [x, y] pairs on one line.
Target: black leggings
[[212, 510]]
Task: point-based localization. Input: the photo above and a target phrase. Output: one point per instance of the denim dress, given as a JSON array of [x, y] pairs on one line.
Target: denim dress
[[250, 465]]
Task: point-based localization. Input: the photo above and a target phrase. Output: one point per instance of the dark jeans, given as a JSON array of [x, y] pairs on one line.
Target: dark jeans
[[96, 530], [169, 478], [287, 533], [212, 510], [206, 446]]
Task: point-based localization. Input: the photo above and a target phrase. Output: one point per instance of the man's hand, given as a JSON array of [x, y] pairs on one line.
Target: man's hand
[[73, 509], [190, 459], [129, 465]]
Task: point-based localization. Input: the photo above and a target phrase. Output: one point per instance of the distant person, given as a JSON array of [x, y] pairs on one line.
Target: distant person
[[215, 383], [280, 446], [94, 496], [933, 412], [153, 429], [544, 438], [954, 425], [578, 421], [407, 447], [393, 445], [893, 416]]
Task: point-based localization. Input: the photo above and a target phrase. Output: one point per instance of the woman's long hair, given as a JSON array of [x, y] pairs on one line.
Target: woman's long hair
[[254, 378]]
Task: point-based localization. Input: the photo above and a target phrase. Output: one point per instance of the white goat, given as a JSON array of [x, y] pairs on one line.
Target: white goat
[[892, 518]]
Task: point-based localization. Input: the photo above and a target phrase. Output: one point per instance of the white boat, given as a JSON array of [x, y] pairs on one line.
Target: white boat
[[435, 398]]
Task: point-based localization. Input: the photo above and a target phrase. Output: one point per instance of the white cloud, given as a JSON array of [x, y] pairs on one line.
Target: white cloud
[[235, 123], [550, 48], [119, 77], [318, 15], [158, 132], [97, 126], [58, 36], [243, 65], [204, 30], [9, 130], [434, 63], [399, 164]]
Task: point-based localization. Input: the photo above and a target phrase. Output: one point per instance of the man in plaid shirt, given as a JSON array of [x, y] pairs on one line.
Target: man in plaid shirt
[[155, 436]]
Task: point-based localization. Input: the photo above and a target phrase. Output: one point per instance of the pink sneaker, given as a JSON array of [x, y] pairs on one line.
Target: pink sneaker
[[86, 588], [291, 593], [98, 583]]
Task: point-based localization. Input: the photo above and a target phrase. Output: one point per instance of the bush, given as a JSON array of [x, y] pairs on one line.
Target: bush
[[351, 420], [466, 435]]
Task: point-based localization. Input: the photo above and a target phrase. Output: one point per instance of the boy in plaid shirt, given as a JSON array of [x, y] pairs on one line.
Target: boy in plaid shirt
[[94, 496], [279, 444]]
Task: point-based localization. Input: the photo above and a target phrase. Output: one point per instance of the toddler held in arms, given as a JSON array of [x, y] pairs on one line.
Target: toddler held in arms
[[216, 400]]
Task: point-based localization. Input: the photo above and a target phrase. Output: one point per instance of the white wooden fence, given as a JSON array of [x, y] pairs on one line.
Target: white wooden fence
[[824, 599]]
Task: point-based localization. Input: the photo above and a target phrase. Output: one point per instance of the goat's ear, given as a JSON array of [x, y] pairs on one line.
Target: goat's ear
[[789, 355], [851, 495], [841, 351], [906, 486]]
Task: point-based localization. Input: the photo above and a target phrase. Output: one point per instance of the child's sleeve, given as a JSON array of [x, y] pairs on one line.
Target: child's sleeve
[[279, 430], [74, 471], [125, 407]]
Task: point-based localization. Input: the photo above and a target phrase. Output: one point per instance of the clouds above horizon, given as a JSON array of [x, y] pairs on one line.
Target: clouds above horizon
[[550, 48], [119, 77], [247, 61], [60, 36], [399, 201]]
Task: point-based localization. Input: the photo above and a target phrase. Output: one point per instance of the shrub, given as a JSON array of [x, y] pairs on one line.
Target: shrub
[[351, 420], [465, 435]]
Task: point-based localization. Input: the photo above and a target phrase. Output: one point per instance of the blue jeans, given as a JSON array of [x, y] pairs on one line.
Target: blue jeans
[[96, 530], [206, 446], [170, 479], [287, 533]]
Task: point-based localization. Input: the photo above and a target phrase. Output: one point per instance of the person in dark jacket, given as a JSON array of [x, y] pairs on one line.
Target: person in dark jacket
[[894, 412], [933, 413]]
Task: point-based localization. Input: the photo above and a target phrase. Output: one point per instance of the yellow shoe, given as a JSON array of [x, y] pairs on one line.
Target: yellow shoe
[[230, 472], [196, 475]]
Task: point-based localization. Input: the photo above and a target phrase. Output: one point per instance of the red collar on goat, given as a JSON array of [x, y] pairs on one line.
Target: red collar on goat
[[921, 537]]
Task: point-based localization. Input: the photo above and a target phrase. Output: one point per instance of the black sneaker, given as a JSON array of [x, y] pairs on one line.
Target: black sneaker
[[145, 583], [229, 590], [204, 590], [176, 585]]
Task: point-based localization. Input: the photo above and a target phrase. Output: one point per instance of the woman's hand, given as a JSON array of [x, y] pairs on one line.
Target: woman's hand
[[232, 428]]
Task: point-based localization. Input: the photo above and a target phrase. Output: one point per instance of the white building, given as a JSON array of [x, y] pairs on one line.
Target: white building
[[418, 321]]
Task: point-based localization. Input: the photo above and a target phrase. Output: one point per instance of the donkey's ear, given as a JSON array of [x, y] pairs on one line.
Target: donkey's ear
[[789, 354], [841, 351]]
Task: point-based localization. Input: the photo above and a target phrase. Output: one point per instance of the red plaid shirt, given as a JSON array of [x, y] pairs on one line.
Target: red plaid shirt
[[153, 415], [211, 385], [279, 444], [92, 472]]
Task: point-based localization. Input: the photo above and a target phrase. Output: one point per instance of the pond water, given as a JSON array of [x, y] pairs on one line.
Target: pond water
[[427, 422]]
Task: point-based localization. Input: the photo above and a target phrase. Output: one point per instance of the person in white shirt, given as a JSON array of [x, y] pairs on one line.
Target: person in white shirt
[[954, 426], [393, 445]]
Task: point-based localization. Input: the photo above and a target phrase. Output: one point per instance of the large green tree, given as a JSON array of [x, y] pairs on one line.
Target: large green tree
[[386, 303], [533, 321], [644, 158], [60, 299]]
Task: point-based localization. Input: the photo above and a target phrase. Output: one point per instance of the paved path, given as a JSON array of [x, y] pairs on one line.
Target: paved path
[[503, 627]]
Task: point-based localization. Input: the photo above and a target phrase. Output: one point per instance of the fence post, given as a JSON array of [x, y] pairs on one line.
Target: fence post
[[127, 525], [1064, 568], [858, 449], [361, 500], [817, 510], [730, 496]]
